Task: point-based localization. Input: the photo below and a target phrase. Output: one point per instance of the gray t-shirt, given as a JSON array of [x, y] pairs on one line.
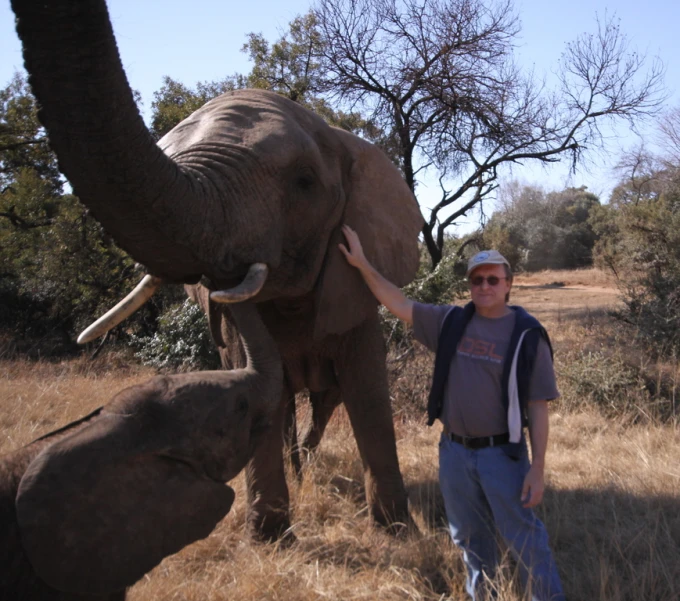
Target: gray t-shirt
[[473, 403]]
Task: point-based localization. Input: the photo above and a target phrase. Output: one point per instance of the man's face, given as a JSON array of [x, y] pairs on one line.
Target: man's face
[[484, 295]]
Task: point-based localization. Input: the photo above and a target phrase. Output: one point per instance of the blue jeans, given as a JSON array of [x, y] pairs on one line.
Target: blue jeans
[[482, 491]]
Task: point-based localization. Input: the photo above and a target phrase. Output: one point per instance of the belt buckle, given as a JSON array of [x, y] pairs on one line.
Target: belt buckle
[[466, 441]]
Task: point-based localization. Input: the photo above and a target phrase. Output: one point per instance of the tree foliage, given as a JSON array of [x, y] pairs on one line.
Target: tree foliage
[[175, 101], [182, 341], [639, 239], [651, 289], [537, 230], [23, 144], [291, 67], [59, 269]]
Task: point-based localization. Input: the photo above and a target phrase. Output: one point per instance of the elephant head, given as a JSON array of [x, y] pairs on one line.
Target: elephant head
[[250, 178], [104, 500]]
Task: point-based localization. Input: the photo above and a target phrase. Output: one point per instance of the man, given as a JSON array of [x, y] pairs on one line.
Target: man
[[493, 375]]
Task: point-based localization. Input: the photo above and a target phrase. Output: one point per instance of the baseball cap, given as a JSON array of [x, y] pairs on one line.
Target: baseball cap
[[486, 257]]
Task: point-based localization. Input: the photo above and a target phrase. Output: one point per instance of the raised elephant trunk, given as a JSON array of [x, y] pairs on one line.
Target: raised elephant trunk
[[139, 194]]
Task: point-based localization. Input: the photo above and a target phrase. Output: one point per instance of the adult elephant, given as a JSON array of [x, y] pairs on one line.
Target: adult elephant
[[87, 510], [249, 179]]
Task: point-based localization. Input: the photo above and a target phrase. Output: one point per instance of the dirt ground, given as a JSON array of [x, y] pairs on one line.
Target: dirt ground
[[554, 301]]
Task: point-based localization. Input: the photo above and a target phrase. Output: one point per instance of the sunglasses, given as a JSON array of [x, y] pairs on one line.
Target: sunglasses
[[492, 280]]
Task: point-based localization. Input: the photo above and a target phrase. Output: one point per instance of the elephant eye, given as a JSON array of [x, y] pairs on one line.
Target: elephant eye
[[305, 179]]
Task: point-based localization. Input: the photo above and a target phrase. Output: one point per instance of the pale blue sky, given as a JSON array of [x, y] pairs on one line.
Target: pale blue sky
[[201, 40]]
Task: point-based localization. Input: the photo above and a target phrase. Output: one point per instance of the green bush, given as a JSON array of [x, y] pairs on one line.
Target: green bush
[[439, 286], [640, 240], [589, 378], [536, 230], [182, 342], [652, 305], [60, 270]]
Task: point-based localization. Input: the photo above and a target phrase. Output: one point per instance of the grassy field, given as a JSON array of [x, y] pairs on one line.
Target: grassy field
[[612, 506]]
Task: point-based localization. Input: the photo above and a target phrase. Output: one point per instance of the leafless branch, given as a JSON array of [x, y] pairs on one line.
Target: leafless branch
[[441, 75]]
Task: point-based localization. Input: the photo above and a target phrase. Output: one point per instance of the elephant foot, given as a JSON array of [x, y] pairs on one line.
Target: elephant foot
[[400, 529], [397, 522], [270, 526]]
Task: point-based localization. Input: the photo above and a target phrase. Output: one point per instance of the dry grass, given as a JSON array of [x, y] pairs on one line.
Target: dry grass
[[37, 396], [590, 277], [612, 506]]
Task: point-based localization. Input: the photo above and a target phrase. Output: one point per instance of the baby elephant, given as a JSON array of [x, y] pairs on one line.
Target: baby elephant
[[87, 510]]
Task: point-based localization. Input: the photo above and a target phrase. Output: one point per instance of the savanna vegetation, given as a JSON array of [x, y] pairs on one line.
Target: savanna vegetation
[[603, 274], [613, 485]]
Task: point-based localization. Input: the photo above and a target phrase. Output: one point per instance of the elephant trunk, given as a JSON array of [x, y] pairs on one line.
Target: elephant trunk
[[141, 197], [261, 351]]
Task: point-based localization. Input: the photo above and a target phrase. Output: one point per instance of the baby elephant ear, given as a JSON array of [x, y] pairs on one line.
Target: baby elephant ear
[[99, 509], [384, 213]]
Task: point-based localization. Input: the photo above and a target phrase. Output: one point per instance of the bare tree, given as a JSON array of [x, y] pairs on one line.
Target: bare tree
[[441, 78], [669, 125]]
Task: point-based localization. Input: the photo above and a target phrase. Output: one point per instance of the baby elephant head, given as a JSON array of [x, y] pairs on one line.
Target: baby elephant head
[[107, 498]]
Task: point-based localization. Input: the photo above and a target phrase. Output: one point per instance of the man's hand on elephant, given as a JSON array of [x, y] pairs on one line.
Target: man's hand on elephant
[[385, 291], [354, 253]]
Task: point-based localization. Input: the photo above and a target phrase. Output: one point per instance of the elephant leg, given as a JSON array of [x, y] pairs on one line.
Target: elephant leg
[[290, 433], [362, 375], [323, 405], [268, 500]]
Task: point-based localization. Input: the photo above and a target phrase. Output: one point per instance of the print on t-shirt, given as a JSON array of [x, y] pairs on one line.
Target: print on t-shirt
[[479, 349], [473, 404]]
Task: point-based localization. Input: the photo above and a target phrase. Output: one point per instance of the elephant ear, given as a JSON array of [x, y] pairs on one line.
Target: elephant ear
[[99, 509], [384, 213]]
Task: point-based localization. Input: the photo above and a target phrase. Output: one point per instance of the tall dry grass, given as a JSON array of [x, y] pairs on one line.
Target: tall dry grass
[[612, 506]]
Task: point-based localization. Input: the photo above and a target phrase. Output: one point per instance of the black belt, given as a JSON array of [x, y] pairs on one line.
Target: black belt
[[480, 442]]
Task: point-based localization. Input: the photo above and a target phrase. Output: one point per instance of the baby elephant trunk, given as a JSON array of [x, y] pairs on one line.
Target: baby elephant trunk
[[262, 354]]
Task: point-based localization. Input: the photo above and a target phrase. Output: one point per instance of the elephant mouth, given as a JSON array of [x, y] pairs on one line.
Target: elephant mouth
[[186, 463]]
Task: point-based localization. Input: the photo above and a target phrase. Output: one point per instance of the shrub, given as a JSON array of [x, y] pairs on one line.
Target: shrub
[[593, 378], [643, 245], [182, 342], [536, 230], [439, 286], [652, 305]]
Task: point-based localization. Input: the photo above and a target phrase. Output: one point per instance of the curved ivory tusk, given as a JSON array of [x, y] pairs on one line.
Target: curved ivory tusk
[[249, 287], [133, 301]]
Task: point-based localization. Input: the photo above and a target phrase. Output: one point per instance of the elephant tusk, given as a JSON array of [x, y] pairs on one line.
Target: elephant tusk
[[133, 301], [249, 287]]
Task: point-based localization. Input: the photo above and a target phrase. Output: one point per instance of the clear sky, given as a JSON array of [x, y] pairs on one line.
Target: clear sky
[[201, 40]]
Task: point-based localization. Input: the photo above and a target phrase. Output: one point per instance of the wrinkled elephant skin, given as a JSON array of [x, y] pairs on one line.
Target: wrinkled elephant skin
[[88, 509], [251, 177]]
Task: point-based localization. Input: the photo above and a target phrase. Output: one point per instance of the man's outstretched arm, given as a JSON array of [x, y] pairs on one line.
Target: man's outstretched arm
[[385, 291]]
